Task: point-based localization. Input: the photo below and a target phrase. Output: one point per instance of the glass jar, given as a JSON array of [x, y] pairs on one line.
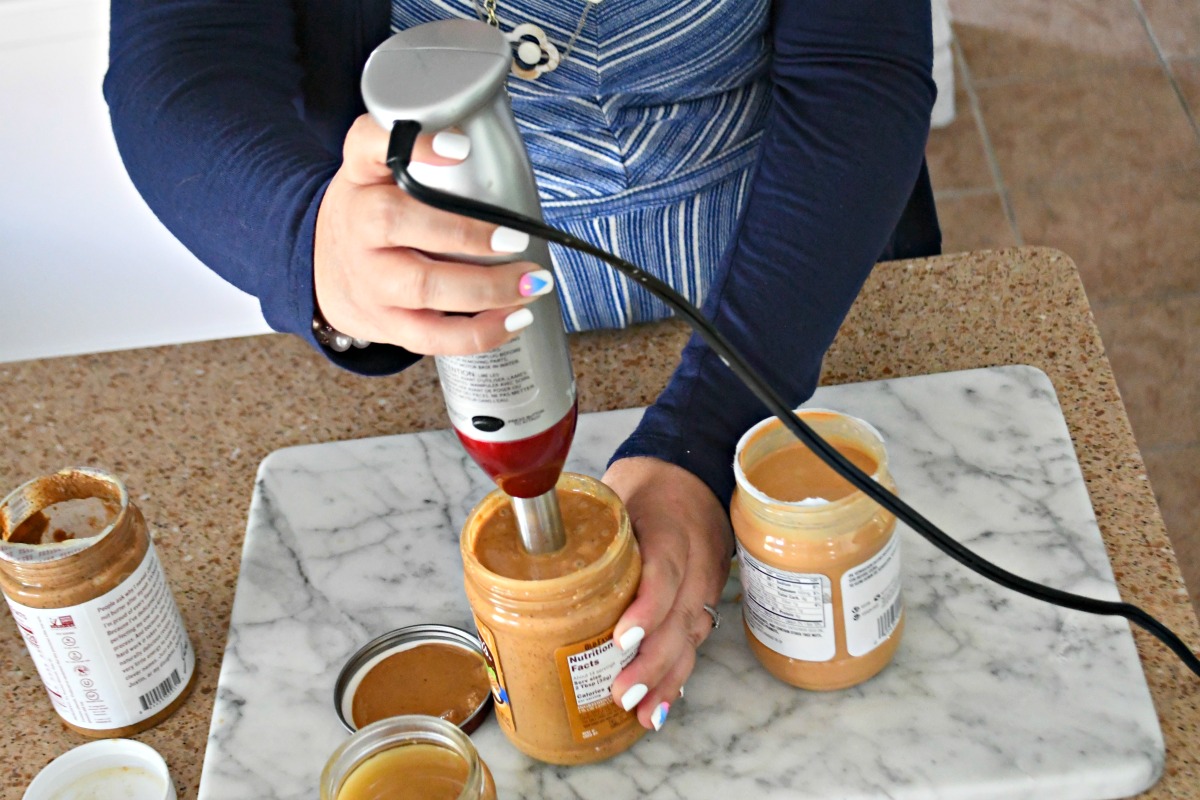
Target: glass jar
[[548, 641], [83, 581], [819, 560], [411, 757]]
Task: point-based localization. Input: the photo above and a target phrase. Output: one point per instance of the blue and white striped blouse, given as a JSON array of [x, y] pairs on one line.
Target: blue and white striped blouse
[[643, 140]]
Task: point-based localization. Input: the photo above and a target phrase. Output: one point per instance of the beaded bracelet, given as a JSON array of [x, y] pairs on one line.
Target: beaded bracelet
[[332, 338]]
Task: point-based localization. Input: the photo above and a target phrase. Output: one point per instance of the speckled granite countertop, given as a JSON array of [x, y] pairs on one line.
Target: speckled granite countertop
[[186, 427]]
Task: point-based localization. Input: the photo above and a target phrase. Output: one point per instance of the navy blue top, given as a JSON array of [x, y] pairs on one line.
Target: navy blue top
[[230, 116]]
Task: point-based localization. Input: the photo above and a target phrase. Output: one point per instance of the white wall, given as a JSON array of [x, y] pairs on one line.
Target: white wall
[[84, 264]]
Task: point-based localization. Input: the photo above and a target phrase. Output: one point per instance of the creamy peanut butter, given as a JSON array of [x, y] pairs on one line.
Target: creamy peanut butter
[[410, 757], [820, 561], [549, 637], [407, 772], [592, 524], [794, 473], [435, 679]]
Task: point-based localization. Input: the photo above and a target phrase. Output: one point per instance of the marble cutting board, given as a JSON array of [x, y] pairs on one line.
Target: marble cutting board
[[992, 695]]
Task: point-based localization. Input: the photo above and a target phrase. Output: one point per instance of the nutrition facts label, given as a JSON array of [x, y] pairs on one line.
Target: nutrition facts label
[[789, 612], [587, 671]]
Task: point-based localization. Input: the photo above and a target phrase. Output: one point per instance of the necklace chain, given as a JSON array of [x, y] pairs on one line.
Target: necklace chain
[[489, 8], [488, 13]]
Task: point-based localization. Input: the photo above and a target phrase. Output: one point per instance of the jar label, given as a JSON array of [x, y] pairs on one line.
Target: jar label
[[587, 670], [789, 612], [116, 659], [871, 599], [495, 676]]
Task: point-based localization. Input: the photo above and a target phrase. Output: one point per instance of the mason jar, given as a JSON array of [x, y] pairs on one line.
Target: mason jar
[[411, 757]]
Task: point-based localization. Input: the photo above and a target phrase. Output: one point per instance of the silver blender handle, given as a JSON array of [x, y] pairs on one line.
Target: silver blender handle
[[453, 73]]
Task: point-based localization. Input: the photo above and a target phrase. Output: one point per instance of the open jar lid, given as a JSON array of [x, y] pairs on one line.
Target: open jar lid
[[111, 769], [435, 670]]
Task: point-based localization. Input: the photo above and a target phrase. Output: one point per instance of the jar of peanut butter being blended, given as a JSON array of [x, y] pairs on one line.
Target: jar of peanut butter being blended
[[819, 560], [86, 589], [547, 621], [410, 757]]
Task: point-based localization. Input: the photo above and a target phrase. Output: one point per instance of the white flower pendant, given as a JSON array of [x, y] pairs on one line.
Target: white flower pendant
[[534, 54]]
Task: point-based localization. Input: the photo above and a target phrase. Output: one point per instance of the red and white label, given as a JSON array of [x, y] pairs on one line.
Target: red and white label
[[114, 660]]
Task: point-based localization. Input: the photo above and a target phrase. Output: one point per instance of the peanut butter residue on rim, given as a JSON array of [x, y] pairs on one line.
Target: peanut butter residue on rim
[[80, 518], [65, 507]]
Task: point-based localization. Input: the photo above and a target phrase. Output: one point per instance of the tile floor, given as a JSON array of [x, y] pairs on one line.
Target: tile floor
[[1078, 127]]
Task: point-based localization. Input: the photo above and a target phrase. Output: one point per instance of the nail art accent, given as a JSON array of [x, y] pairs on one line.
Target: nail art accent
[[449, 144], [631, 638], [536, 283], [633, 695], [518, 320], [659, 716], [507, 240]]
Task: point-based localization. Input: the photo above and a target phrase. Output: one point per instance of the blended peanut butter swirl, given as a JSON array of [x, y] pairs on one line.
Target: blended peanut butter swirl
[[591, 525]]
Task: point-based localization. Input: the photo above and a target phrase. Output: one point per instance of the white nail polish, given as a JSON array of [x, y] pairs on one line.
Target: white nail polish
[[518, 320], [449, 144], [633, 695], [631, 638], [507, 240]]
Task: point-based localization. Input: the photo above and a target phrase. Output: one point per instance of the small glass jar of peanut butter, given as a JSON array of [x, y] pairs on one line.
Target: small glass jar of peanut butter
[[546, 622], [411, 757], [819, 560], [87, 591]]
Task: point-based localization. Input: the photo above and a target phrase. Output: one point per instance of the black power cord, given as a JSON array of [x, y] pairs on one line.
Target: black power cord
[[399, 155]]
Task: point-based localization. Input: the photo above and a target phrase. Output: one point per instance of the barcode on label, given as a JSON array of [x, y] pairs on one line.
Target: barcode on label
[[889, 617], [160, 692]]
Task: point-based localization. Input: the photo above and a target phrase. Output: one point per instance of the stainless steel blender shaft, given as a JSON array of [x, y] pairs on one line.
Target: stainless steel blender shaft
[[539, 520]]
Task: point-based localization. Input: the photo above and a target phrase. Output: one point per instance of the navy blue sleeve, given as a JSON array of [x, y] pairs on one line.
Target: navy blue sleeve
[[208, 106], [842, 150]]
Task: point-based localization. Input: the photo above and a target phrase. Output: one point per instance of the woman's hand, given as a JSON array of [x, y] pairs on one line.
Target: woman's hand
[[686, 546], [377, 273]]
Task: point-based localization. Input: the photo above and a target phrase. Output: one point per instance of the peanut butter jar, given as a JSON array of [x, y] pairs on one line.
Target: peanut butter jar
[[819, 560], [546, 622], [80, 574]]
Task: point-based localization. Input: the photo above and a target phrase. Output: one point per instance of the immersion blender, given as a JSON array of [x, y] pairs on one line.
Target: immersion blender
[[513, 408], [484, 41]]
